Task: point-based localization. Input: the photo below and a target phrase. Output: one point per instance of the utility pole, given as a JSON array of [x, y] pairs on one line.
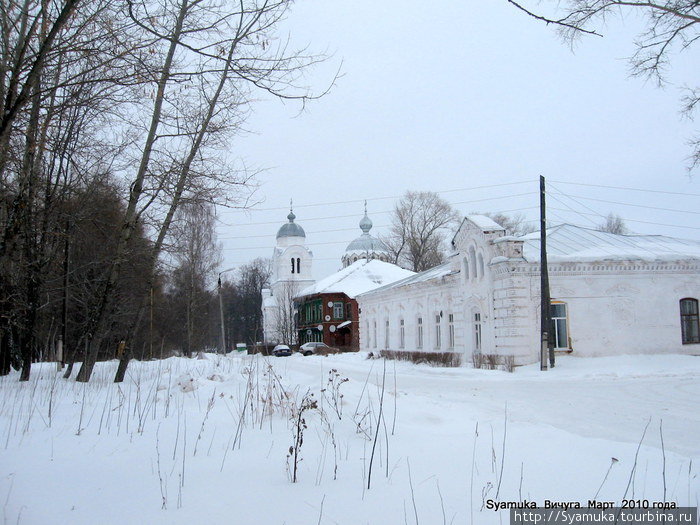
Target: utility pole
[[221, 312], [546, 347], [63, 337]]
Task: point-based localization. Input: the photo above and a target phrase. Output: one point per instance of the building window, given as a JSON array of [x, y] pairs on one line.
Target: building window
[[292, 265], [348, 310], [481, 265], [419, 335], [477, 332], [386, 334], [559, 325], [690, 326], [298, 265], [338, 312], [472, 262], [438, 335], [402, 334], [374, 334], [465, 269], [450, 331]]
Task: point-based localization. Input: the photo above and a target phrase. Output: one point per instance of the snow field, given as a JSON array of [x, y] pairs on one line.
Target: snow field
[[207, 440]]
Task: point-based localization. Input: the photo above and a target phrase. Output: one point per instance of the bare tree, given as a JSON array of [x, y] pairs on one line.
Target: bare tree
[[285, 321], [671, 27], [613, 224], [419, 224], [212, 58], [513, 224], [198, 255]]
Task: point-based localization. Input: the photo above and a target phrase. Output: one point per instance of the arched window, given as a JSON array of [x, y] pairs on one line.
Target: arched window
[[298, 265], [481, 266], [690, 329], [292, 264], [472, 262], [419, 334], [438, 334], [465, 269], [402, 334], [450, 331]]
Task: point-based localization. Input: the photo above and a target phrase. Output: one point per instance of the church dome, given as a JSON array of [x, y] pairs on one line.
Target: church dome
[[366, 246], [291, 229]]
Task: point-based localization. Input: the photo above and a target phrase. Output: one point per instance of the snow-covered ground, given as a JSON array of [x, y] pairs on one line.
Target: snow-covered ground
[[208, 440]]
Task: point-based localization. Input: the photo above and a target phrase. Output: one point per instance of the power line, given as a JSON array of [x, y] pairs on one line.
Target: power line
[[641, 222], [381, 212], [488, 186], [638, 205], [626, 188]]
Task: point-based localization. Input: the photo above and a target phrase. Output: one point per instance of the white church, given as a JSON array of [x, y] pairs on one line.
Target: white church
[[611, 294], [365, 266], [291, 273]]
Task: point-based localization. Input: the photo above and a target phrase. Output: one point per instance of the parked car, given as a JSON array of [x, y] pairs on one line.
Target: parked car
[[281, 351], [316, 348]]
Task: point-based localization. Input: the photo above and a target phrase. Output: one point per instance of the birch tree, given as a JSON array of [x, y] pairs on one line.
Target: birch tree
[[670, 27]]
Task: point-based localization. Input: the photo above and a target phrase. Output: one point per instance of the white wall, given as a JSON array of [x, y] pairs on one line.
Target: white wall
[[613, 307]]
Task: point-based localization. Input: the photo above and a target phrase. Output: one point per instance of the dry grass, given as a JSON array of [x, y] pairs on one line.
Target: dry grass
[[493, 362], [445, 359]]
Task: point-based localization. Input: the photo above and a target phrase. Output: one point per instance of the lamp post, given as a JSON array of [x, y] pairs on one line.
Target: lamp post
[[221, 311]]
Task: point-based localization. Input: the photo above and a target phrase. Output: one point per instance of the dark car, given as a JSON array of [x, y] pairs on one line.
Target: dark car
[[281, 351]]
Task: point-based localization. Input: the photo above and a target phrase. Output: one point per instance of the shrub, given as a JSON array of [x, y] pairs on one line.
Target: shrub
[[446, 359], [493, 361]]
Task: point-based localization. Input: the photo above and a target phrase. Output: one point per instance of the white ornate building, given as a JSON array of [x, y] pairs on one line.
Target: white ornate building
[[291, 273], [611, 294]]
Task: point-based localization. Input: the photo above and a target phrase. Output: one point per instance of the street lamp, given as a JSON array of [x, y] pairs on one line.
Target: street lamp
[[221, 311]]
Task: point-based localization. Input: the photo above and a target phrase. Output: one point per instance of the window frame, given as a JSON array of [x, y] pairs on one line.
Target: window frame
[[338, 306], [556, 321], [450, 331], [690, 322], [438, 332], [419, 332]]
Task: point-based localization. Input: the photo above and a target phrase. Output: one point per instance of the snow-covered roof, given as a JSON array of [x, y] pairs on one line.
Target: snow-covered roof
[[485, 223], [569, 243], [433, 273], [359, 277]]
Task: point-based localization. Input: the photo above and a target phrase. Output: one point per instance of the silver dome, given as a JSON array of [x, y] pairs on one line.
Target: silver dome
[[291, 229], [367, 243]]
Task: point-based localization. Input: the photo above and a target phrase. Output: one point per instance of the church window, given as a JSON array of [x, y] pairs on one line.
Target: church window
[[477, 332], [298, 265], [690, 323], [465, 269], [374, 334], [292, 264], [402, 334], [386, 333], [472, 262], [559, 325], [481, 265]]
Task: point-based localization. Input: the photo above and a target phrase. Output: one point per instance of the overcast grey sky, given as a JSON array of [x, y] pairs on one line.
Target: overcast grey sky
[[462, 98]]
